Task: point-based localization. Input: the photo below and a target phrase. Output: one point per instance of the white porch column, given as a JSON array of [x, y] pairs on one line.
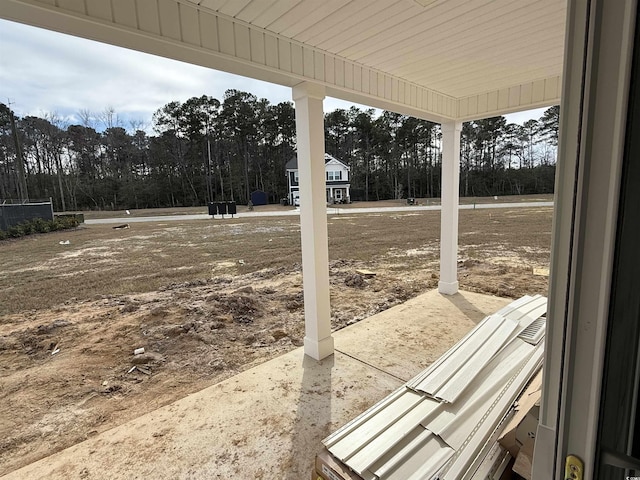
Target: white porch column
[[448, 283], [318, 342]]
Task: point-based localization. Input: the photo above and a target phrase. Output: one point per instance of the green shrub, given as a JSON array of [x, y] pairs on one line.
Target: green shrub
[[39, 225], [67, 222], [28, 227], [16, 231]]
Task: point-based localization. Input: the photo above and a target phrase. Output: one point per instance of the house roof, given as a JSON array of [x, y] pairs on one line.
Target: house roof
[[440, 60], [293, 163]]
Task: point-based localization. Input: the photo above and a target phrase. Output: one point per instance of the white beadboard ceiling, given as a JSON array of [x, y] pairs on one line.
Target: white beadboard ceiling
[[438, 59], [455, 47]]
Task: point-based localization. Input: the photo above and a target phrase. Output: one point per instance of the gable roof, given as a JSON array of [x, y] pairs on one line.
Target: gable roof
[[328, 158], [293, 163]]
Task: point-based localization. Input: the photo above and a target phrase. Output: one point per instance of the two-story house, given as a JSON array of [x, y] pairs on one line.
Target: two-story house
[[336, 178]]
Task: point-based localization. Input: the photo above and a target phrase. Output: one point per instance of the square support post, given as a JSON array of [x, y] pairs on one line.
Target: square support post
[[448, 283], [308, 97]]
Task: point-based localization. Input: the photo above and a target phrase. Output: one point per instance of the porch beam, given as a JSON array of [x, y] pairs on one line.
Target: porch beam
[[448, 283], [308, 97]]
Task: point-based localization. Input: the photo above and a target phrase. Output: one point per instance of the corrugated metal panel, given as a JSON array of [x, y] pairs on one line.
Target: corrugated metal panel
[[464, 344], [446, 355], [346, 429], [412, 466], [458, 366], [465, 458], [392, 436], [462, 417], [411, 435], [516, 304], [452, 377], [529, 311], [364, 433]]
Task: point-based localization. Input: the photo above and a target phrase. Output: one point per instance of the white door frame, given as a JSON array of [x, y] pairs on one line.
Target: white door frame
[[599, 41]]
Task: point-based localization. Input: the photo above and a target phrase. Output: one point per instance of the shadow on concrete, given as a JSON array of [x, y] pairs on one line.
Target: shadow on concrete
[[313, 417], [466, 307]]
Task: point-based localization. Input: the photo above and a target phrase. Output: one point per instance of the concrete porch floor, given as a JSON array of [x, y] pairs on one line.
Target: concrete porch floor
[[268, 422]]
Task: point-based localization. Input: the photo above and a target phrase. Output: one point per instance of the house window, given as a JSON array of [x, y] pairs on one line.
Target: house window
[[333, 176], [296, 179]]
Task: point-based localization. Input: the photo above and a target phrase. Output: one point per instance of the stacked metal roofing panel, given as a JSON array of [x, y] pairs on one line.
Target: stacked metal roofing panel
[[437, 425]]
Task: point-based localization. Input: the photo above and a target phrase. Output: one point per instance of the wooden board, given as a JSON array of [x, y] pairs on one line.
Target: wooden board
[[366, 273], [330, 468]]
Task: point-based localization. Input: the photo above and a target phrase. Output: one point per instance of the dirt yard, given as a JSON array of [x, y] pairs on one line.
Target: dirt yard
[[206, 300]]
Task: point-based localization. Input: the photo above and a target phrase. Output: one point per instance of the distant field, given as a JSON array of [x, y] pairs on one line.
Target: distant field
[[37, 272], [147, 212], [153, 212]]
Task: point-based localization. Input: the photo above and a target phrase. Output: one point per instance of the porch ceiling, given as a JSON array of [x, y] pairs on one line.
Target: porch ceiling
[[436, 59]]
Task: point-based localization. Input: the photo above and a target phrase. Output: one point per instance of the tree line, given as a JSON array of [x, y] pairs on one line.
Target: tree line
[[205, 149]]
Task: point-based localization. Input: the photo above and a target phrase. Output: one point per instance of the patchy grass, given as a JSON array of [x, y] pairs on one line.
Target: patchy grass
[[37, 272]]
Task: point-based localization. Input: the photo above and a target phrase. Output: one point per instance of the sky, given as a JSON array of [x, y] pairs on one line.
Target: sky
[[44, 72]]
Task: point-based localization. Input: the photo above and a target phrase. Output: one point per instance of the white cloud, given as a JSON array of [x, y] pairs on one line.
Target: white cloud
[[522, 117], [43, 71]]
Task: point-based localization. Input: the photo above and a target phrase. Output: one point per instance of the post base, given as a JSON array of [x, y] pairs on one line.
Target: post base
[[318, 349], [448, 288]]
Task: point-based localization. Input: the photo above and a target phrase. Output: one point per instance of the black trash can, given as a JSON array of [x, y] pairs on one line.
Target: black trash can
[[213, 210], [222, 208], [231, 208]]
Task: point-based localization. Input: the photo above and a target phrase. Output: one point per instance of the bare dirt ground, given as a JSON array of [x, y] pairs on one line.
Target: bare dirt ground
[[206, 300]]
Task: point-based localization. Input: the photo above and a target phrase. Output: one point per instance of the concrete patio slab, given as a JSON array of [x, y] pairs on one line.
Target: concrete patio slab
[[268, 422], [404, 340]]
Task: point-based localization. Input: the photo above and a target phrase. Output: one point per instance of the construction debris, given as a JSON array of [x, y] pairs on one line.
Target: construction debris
[[443, 423], [543, 272], [366, 273], [354, 280], [142, 369]]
